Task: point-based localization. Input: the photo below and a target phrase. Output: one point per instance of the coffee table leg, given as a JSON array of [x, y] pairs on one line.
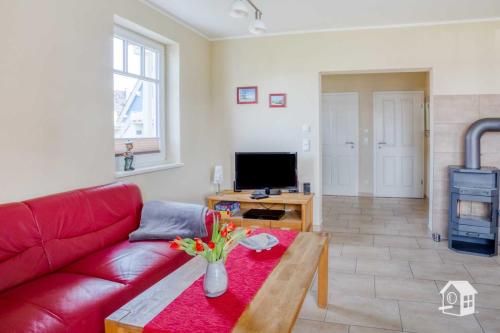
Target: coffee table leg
[[323, 277]]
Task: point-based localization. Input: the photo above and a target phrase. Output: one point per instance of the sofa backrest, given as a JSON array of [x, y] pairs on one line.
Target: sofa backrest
[[22, 256], [77, 223]]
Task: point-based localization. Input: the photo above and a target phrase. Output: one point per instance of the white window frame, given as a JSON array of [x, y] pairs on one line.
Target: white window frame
[[145, 161]]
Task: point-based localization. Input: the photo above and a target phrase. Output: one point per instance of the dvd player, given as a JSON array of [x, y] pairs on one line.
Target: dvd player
[[264, 214]]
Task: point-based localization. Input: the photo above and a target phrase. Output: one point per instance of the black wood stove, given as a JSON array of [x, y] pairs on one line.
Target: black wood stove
[[473, 212]]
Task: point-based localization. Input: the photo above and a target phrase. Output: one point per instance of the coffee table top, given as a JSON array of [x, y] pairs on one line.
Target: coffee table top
[[274, 308]]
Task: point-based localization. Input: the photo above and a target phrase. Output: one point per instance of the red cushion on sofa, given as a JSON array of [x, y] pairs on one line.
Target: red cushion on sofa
[[138, 263], [24, 317], [79, 302], [77, 223], [21, 254]]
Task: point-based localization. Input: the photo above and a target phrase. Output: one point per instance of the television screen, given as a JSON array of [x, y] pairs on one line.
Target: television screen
[[255, 171]]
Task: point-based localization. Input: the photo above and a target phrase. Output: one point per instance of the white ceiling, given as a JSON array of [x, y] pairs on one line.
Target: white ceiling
[[211, 17]]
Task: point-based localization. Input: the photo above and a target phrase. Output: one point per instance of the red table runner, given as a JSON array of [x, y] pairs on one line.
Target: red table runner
[[247, 271]]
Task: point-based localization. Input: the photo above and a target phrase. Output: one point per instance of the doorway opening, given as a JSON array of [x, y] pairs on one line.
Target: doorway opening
[[375, 132]]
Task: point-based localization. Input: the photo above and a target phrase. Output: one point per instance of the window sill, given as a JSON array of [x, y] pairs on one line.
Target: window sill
[[156, 168]]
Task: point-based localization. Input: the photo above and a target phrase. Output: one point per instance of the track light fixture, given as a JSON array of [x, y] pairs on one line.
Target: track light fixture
[[240, 9]]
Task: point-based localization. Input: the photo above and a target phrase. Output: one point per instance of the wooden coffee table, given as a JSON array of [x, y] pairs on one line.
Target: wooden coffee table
[[274, 308]]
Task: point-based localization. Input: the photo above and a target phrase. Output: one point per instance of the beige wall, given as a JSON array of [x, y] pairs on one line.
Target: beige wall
[[56, 128], [464, 59], [366, 85]]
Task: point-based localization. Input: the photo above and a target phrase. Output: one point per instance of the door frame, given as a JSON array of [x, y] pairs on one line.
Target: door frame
[[375, 150], [430, 133], [356, 93]]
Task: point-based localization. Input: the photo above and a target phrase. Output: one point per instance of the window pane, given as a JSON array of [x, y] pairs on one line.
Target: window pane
[[134, 59], [118, 54], [135, 110], [150, 61]]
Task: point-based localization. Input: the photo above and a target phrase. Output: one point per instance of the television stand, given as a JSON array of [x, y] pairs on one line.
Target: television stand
[[298, 209]]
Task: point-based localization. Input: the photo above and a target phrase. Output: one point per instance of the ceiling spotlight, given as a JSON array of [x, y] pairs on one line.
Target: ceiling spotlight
[[239, 9], [258, 26]]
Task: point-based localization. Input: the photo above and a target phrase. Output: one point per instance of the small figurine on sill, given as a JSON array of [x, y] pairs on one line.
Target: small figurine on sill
[[128, 156]]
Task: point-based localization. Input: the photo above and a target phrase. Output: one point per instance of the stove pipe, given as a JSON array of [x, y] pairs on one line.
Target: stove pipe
[[473, 140]]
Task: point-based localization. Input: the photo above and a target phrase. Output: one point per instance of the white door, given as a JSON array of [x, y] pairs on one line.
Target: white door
[[340, 143], [398, 141]]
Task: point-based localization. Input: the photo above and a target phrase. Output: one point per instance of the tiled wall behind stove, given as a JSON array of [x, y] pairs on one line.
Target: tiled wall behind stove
[[453, 114]]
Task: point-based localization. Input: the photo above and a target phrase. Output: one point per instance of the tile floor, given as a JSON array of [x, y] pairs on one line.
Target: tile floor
[[386, 273]]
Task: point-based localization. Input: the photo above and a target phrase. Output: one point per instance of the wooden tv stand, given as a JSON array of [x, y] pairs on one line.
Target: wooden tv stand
[[298, 207]]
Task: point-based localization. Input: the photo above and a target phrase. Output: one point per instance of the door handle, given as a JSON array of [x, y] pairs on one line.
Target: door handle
[[350, 143], [382, 143]]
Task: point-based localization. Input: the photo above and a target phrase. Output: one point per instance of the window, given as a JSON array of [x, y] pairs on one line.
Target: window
[[146, 75], [139, 87], [468, 301]]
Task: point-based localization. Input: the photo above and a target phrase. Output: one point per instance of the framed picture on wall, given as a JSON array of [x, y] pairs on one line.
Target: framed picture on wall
[[247, 95], [277, 100]]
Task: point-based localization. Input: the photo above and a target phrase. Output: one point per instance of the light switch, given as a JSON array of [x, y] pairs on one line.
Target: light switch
[[306, 128], [306, 145]]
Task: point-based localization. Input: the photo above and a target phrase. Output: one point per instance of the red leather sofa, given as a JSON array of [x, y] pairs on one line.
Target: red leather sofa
[[66, 263]]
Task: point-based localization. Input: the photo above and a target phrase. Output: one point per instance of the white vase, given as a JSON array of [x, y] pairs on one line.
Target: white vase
[[215, 282]]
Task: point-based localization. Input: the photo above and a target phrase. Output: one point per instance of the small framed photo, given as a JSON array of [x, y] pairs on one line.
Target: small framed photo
[[277, 100], [247, 95]]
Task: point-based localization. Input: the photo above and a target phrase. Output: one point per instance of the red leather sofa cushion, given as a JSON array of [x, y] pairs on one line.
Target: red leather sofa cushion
[[22, 317], [75, 224], [139, 264], [21, 253], [79, 302]]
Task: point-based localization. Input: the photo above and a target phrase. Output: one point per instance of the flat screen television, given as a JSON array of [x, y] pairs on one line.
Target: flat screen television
[[257, 171]]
